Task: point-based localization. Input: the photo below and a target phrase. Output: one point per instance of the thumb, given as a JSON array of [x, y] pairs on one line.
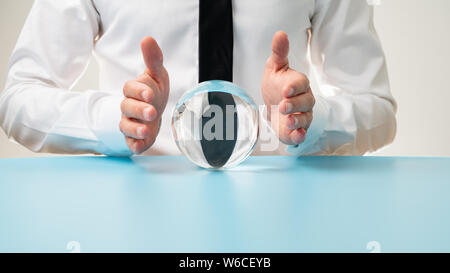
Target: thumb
[[153, 57], [280, 51]]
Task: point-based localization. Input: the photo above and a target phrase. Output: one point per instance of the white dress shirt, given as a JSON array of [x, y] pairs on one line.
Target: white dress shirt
[[354, 111]]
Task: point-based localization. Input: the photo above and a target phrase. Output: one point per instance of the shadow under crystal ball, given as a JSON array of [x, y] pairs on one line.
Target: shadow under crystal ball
[[215, 124]]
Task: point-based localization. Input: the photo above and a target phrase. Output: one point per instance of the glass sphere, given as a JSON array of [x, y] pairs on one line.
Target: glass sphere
[[215, 124]]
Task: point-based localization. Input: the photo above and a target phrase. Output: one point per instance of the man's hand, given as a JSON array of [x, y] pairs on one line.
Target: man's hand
[[145, 100], [289, 90]]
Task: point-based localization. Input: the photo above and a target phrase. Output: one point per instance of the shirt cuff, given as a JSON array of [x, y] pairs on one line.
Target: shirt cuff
[[107, 127], [321, 112]]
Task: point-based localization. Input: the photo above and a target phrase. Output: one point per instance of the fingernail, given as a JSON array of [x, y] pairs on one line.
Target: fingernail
[[289, 107], [145, 95], [291, 92], [147, 113], [140, 132], [295, 122]]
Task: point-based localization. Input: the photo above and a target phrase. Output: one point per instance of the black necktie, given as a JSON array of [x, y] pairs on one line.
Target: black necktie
[[215, 40], [216, 63]]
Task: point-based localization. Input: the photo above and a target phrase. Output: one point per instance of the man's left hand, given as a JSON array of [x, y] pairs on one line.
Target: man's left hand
[[288, 89]]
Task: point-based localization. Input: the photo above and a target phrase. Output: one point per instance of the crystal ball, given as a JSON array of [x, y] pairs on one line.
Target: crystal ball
[[215, 124]]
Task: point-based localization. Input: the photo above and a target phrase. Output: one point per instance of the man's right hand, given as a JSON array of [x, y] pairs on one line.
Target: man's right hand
[[145, 100]]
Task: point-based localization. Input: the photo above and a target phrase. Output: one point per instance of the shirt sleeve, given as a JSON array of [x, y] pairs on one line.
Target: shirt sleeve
[[354, 111], [37, 107]]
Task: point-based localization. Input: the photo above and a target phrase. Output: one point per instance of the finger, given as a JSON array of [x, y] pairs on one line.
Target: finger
[[299, 120], [301, 103], [138, 109], [280, 50], [295, 83], [149, 81], [134, 129], [298, 136], [138, 90], [131, 143], [137, 146], [153, 57]]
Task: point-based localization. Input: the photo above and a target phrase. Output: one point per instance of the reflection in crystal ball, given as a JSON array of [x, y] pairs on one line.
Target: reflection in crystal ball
[[215, 125]]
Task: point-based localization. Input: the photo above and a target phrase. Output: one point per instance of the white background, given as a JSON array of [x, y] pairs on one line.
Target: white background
[[416, 39]]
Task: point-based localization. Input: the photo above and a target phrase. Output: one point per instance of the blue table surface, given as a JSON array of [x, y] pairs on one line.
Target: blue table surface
[[267, 204]]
